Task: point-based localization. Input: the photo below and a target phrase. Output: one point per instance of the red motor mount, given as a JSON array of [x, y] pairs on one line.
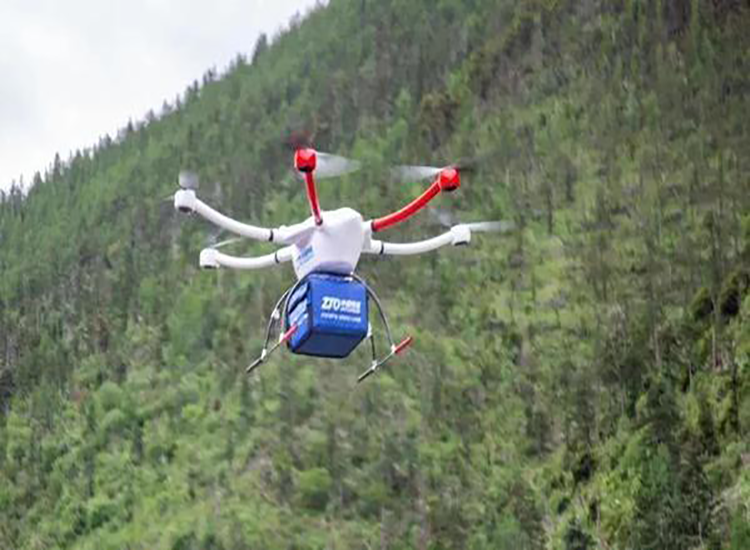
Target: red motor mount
[[449, 179], [305, 160]]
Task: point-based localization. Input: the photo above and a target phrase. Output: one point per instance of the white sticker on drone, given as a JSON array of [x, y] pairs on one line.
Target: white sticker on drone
[[331, 303]]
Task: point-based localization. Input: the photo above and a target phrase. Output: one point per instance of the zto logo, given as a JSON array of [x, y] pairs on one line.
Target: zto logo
[[331, 303]]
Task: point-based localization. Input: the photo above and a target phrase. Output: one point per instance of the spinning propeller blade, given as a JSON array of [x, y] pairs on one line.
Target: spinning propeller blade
[[414, 173], [212, 240], [407, 173], [446, 218], [226, 243], [331, 166], [299, 138], [188, 180], [327, 165], [502, 226]]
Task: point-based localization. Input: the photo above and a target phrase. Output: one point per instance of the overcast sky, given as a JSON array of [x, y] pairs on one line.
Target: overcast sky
[[73, 71]]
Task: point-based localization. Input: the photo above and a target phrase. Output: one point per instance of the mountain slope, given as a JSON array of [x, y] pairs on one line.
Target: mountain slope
[[582, 382]]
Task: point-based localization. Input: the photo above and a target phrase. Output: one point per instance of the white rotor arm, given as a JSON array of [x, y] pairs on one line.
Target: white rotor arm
[[186, 201], [211, 258], [459, 234]]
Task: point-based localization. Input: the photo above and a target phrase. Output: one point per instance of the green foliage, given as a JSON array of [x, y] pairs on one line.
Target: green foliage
[[580, 382], [314, 486]]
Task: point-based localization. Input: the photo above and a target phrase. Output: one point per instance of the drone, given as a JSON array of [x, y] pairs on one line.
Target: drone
[[325, 313]]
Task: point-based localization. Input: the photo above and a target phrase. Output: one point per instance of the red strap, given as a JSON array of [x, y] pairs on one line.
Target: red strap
[[288, 334], [403, 345]]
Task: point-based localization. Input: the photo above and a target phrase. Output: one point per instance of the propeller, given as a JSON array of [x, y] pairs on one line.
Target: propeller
[[188, 180], [331, 166], [447, 218], [406, 173], [211, 240], [299, 139], [500, 226], [226, 242], [327, 165]]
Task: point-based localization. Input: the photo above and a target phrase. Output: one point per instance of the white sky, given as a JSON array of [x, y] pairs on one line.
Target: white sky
[[73, 71]]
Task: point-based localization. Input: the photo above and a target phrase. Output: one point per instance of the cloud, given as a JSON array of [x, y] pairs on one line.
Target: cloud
[[74, 71]]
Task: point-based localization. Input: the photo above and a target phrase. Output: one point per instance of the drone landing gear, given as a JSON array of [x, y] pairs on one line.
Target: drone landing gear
[[395, 349], [278, 316], [284, 338], [377, 363]]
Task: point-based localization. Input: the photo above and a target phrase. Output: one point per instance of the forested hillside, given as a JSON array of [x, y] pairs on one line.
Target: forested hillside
[[580, 382]]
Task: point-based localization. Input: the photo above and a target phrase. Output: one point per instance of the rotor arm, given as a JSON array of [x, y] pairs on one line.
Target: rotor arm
[[186, 201], [459, 234], [211, 258], [407, 211], [447, 180]]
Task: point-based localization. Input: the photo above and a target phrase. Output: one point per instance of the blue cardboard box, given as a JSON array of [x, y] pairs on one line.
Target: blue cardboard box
[[331, 314]]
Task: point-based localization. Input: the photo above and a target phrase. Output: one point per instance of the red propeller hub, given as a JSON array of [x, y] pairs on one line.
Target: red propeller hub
[[449, 179], [305, 160]]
